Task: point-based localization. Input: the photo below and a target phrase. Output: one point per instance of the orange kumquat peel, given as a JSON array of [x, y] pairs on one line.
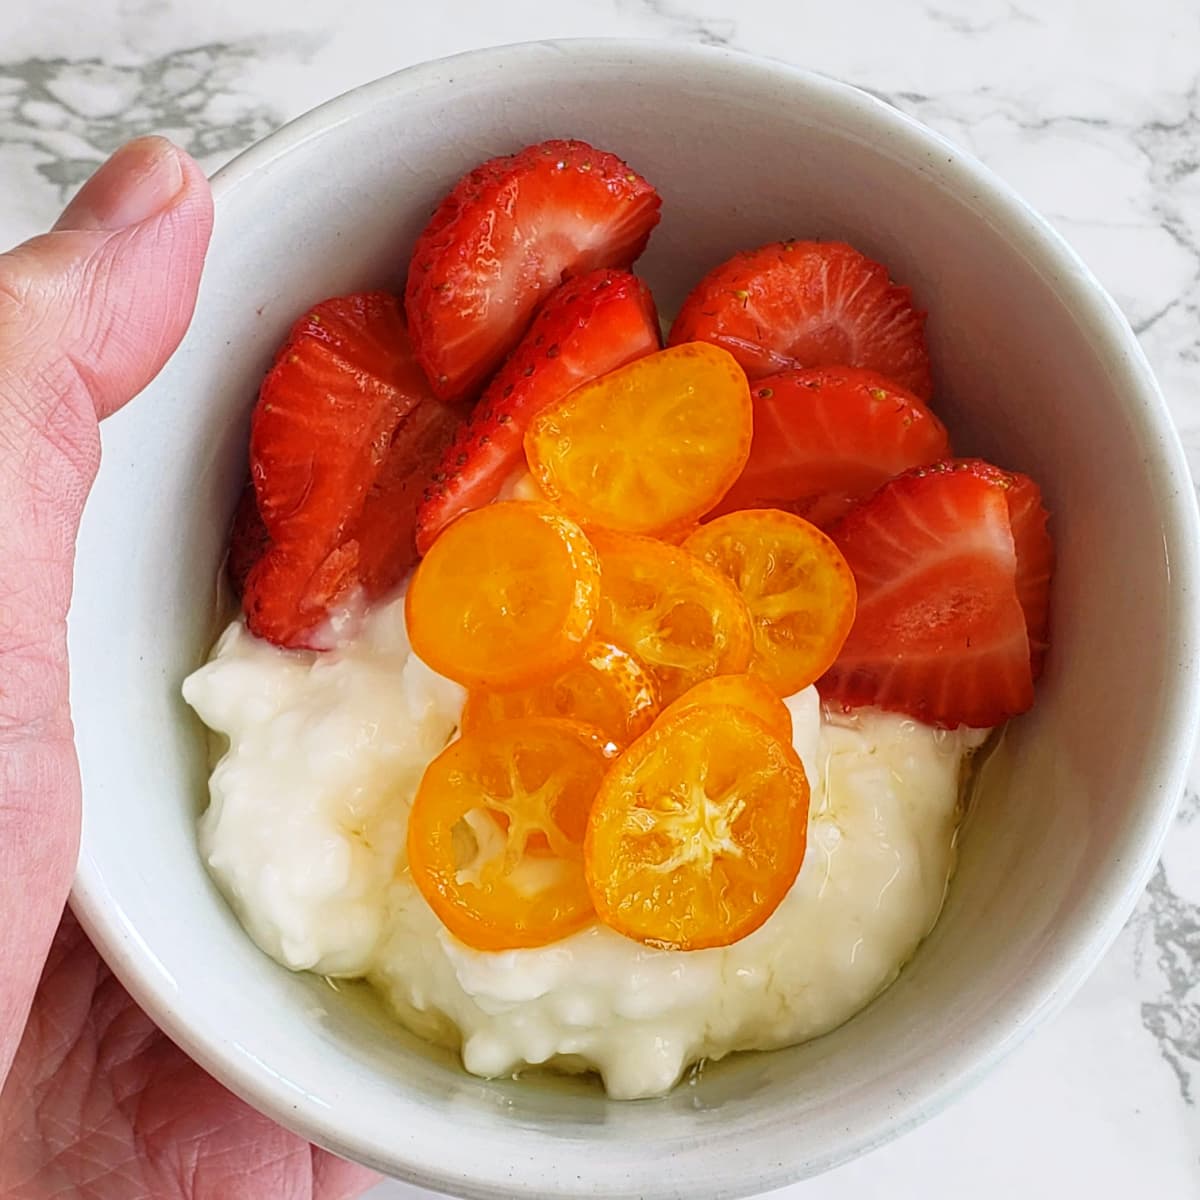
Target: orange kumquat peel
[[648, 447], [495, 836], [608, 689], [747, 692], [795, 582], [506, 596], [698, 830], [678, 617]]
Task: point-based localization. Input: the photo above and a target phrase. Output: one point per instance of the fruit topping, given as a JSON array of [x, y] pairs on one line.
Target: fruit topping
[[808, 304], [389, 514], [248, 539], [1035, 556], [629, 637], [586, 328], [649, 447], [940, 632], [697, 831], [607, 689], [796, 584], [506, 597], [344, 420], [508, 234], [747, 692], [827, 437], [495, 835], [678, 617]]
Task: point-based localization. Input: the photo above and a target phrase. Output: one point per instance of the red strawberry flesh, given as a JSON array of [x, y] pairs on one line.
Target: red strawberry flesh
[[586, 328], [940, 633], [1035, 555], [386, 529], [507, 234], [343, 417], [248, 539], [826, 437], [808, 304]]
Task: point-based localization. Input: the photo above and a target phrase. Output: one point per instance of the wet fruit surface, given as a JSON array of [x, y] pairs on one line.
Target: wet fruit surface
[[677, 616], [506, 597], [746, 692], [495, 836], [698, 830], [607, 689], [648, 447], [796, 584]]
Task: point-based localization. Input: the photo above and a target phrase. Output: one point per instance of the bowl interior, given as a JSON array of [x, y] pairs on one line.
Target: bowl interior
[[1034, 370]]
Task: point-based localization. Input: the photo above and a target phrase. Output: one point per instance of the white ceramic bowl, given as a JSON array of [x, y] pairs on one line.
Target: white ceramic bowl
[[1035, 368]]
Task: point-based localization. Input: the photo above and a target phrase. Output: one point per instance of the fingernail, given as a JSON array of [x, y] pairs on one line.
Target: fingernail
[[138, 181]]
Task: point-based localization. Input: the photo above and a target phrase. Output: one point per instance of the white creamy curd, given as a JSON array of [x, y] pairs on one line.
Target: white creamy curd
[[305, 835]]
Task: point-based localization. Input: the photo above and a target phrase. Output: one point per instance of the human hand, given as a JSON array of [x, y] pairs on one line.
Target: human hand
[[95, 1102]]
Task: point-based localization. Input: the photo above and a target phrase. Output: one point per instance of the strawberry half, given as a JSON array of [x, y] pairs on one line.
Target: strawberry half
[[342, 440], [940, 631], [825, 437], [506, 235], [386, 531], [248, 539], [588, 327], [808, 304], [1035, 555]]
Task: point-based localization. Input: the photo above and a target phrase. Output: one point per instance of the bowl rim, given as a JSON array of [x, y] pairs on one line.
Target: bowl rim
[[957, 1067]]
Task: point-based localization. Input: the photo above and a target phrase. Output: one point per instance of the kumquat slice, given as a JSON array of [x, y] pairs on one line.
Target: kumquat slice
[[608, 689], [698, 830], [650, 446], [678, 617], [796, 584], [495, 836], [740, 691], [506, 596]]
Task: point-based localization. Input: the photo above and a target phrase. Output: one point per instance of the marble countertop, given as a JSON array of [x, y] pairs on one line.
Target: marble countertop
[[1091, 110]]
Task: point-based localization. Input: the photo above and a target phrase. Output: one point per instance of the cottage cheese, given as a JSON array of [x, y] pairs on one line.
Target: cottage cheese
[[305, 835]]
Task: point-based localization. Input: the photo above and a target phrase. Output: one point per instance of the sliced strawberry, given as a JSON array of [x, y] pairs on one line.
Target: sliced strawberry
[[387, 529], [826, 437], [343, 417], [507, 234], [940, 632], [1035, 556], [291, 594], [248, 539], [375, 553], [586, 328], [808, 304], [1035, 564]]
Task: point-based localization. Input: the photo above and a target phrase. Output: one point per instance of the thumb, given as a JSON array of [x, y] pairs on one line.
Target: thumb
[[90, 312], [88, 315]]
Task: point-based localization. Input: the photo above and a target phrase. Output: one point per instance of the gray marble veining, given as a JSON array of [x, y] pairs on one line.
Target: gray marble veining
[[74, 112]]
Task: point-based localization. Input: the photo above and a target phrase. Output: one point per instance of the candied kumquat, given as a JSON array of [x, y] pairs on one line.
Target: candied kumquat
[[648, 447], [678, 617], [698, 830], [796, 584], [608, 689], [495, 836], [739, 691], [506, 596]]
